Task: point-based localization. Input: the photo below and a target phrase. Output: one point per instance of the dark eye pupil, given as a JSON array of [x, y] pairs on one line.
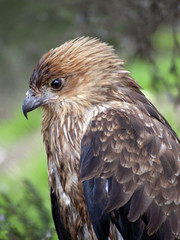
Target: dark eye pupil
[[56, 84]]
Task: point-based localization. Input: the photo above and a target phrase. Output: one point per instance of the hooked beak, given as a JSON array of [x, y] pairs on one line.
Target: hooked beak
[[31, 102]]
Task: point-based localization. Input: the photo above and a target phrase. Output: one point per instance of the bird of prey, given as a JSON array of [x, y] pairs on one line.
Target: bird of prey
[[113, 159]]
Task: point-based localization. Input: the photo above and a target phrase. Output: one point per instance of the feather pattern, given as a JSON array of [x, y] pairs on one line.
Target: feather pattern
[[143, 169]]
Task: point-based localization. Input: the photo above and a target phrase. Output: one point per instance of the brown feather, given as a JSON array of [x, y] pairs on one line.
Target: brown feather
[[140, 202], [155, 218], [117, 197]]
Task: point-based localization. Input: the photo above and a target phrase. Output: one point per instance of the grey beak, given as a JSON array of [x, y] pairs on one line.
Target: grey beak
[[31, 102]]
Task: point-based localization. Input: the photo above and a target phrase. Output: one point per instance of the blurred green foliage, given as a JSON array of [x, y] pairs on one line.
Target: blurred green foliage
[[158, 78], [25, 218], [17, 127], [25, 209]]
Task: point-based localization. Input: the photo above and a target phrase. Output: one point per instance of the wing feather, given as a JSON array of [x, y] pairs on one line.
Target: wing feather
[[139, 203], [155, 218], [117, 196], [135, 149]]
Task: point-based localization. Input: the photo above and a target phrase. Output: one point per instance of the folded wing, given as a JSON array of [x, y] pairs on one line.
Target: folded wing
[[132, 156]]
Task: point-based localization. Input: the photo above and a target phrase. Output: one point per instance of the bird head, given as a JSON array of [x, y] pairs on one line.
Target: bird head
[[82, 72]]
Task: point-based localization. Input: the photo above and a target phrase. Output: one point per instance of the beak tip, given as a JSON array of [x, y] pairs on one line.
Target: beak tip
[[24, 112], [26, 116]]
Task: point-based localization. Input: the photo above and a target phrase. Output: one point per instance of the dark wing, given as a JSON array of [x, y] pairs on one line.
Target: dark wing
[[62, 232], [136, 154], [94, 190]]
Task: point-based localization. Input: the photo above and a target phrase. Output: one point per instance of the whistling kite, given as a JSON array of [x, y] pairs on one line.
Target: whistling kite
[[113, 160]]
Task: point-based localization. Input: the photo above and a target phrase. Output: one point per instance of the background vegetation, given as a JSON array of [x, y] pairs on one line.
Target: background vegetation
[[144, 32]]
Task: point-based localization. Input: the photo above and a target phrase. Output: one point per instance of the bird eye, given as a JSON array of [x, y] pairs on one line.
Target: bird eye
[[57, 84]]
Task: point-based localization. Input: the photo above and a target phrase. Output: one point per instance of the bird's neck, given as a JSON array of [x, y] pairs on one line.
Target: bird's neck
[[62, 135]]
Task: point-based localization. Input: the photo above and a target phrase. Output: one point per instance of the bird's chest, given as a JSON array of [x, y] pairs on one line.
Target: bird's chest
[[63, 159], [62, 138], [63, 154]]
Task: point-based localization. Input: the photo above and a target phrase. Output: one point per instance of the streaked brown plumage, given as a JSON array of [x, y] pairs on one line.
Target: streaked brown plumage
[[111, 154]]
